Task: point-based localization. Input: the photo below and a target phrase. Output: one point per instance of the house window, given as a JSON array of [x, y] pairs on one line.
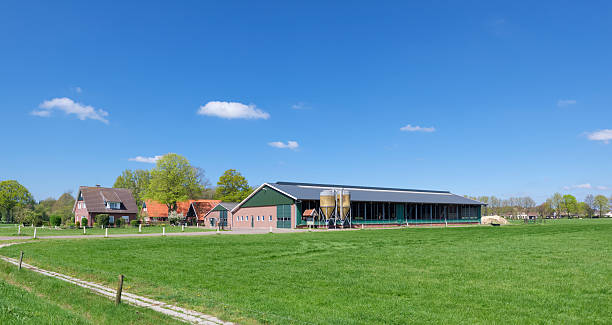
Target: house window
[[247, 218], [257, 218], [270, 218], [113, 205], [111, 219], [126, 218]]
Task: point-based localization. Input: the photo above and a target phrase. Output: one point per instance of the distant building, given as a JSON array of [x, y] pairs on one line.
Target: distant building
[[154, 211], [220, 215], [295, 205], [94, 200]]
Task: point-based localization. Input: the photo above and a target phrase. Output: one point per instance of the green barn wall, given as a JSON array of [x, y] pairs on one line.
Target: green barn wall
[[266, 197]]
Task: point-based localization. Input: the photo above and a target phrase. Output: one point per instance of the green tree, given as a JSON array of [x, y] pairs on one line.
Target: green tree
[[545, 209], [589, 200], [138, 181], [232, 187], [602, 204], [173, 180], [63, 206], [13, 194], [556, 203], [583, 209], [569, 204]]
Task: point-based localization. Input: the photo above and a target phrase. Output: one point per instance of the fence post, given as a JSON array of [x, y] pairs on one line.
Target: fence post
[[20, 259], [84, 231], [182, 227], [163, 231], [119, 289], [19, 231], [140, 227], [106, 233], [34, 233]]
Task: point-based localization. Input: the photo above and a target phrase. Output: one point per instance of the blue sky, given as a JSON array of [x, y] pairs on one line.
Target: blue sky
[[477, 97]]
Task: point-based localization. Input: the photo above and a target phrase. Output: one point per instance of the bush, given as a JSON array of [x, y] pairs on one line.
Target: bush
[[134, 223], [95, 225], [55, 220], [118, 222], [78, 224], [84, 222], [103, 219]]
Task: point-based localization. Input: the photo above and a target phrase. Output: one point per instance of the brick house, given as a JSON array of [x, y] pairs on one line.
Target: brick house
[[154, 211], [94, 200], [220, 214]]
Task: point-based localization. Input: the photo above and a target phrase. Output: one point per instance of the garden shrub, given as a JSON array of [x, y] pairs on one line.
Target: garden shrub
[[134, 223], [55, 220], [78, 224], [118, 222], [84, 222], [103, 219]]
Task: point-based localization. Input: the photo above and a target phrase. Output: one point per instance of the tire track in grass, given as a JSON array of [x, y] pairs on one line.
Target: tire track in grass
[[179, 313]]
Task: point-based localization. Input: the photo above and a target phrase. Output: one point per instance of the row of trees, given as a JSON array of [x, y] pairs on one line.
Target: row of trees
[[18, 205], [174, 179], [557, 205]]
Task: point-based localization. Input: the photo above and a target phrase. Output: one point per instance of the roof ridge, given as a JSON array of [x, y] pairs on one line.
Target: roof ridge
[[359, 187]]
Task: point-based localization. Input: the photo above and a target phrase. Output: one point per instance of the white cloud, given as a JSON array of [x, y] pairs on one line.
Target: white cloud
[[410, 128], [69, 106], [602, 188], [293, 145], [149, 160], [587, 185], [299, 106], [565, 102], [601, 135], [232, 110]]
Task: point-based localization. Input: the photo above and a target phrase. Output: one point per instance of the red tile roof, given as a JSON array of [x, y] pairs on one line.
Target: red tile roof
[[202, 207], [160, 210]]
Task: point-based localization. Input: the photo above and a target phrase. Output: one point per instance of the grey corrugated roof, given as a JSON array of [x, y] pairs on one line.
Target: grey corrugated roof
[[306, 191], [229, 205]]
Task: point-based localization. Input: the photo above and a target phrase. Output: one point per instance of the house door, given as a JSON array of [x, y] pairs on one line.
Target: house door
[[252, 222]]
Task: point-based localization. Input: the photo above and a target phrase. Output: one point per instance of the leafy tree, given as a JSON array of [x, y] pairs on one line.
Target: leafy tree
[[589, 200], [556, 203], [137, 181], [232, 186], [63, 206], [602, 204], [173, 180], [545, 209], [569, 204], [13, 194], [583, 209], [55, 220]]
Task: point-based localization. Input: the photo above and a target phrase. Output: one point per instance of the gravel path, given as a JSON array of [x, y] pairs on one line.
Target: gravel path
[[186, 315]]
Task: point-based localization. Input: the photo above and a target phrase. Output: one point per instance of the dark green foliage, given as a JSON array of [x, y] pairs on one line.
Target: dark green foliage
[[232, 187], [102, 219], [134, 223], [55, 220], [118, 222], [84, 222]]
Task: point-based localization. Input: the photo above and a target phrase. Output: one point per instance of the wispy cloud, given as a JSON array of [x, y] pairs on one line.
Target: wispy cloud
[[69, 106], [293, 145], [602, 188], [300, 106], [600, 135], [232, 110], [565, 102], [78, 89], [416, 128], [148, 160]]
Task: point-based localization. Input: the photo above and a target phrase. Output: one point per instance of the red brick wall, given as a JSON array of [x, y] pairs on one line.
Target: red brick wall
[[240, 220]]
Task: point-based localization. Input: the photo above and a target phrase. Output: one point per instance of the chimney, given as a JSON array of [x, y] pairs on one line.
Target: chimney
[[97, 185]]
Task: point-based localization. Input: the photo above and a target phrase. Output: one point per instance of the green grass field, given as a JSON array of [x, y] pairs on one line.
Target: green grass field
[[557, 272], [12, 230], [30, 298]]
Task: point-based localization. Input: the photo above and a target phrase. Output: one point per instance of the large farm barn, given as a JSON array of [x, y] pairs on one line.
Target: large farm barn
[[295, 205]]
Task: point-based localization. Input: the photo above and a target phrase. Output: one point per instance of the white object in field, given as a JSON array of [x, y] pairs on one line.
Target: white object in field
[[493, 219], [163, 231], [270, 228], [182, 227], [34, 233], [84, 232], [106, 233], [19, 230], [140, 227]]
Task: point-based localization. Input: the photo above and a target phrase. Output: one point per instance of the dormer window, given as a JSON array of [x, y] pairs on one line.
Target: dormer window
[[113, 205]]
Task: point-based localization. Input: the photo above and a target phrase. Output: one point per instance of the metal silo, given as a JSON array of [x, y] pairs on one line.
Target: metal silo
[[343, 198], [327, 202]]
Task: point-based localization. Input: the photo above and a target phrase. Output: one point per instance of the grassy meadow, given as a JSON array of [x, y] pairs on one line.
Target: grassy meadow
[[12, 230], [556, 272], [30, 298]]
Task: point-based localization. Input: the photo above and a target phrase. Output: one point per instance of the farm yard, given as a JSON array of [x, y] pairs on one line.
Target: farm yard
[[556, 272]]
